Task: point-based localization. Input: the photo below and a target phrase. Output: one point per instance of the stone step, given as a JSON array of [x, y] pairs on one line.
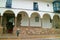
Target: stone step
[[8, 36], [22, 36], [33, 39]]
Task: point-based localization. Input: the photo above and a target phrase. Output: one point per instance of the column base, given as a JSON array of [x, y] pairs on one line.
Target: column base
[[14, 30], [1, 30]]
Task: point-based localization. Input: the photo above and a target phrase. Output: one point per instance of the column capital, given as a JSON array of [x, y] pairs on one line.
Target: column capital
[[15, 15]]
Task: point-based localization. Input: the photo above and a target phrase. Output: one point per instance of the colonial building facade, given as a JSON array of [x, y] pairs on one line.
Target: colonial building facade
[[29, 13]]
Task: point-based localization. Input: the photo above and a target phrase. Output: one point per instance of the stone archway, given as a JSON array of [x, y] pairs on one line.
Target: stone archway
[[22, 19], [0, 20], [35, 20], [56, 22], [8, 21], [46, 21]]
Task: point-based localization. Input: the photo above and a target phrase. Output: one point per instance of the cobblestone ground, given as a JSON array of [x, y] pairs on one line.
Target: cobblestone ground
[[33, 34], [31, 39]]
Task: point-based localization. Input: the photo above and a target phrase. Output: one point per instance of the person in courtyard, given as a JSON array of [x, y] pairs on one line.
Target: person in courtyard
[[17, 32]]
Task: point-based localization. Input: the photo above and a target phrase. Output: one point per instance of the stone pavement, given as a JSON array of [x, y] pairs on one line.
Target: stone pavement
[[33, 34], [32, 39], [29, 37]]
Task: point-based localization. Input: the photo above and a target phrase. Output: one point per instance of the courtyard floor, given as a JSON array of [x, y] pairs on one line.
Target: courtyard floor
[[33, 34]]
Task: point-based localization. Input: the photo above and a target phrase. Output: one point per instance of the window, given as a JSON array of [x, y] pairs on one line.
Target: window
[[47, 5], [56, 6], [35, 6], [8, 3], [37, 19]]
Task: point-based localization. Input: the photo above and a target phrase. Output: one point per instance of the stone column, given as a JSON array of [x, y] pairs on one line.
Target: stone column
[[1, 21], [29, 22], [41, 22], [15, 21], [15, 25], [1, 28]]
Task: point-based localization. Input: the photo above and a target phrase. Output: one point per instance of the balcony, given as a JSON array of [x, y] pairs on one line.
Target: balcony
[[57, 9], [56, 6]]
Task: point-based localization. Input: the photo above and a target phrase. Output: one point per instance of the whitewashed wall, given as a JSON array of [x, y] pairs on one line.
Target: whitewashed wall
[[2, 3], [28, 4], [46, 22], [43, 6], [25, 20], [22, 4], [32, 20]]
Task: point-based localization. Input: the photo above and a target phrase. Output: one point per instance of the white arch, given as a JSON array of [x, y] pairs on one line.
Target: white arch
[[34, 12], [24, 19], [46, 14], [4, 17], [53, 14], [23, 12], [46, 22], [56, 21], [33, 21], [56, 15], [7, 11], [50, 14]]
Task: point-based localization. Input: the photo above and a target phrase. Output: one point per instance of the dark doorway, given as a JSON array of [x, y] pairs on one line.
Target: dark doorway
[[9, 20], [10, 23]]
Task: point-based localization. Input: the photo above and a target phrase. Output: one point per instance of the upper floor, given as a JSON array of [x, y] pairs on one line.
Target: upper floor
[[37, 5]]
